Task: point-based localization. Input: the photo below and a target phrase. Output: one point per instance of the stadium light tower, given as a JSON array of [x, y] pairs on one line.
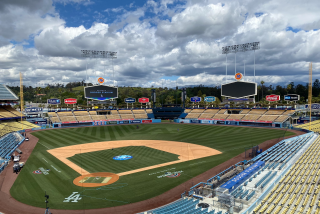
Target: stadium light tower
[[252, 46], [98, 54]]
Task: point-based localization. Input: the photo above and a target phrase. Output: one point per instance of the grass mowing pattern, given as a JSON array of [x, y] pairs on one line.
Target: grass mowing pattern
[[29, 188], [102, 161]]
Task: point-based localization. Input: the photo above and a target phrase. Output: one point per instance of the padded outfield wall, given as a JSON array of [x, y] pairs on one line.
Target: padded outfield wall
[[230, 122]]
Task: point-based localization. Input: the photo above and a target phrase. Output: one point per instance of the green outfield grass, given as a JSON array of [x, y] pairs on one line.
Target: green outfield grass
[[29, 188], [102, 161]]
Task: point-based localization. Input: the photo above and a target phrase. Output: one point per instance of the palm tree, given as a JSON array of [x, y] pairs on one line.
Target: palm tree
[[262, 82]]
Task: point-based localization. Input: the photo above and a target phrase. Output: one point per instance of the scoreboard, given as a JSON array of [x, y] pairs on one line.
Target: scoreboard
[[100, 92], [239, 89]]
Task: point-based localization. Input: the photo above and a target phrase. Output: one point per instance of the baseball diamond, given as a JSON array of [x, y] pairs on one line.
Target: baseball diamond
[[82, 167]]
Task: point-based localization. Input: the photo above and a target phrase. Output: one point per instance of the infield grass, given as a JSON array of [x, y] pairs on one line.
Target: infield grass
[[102, 161], [29, 188]]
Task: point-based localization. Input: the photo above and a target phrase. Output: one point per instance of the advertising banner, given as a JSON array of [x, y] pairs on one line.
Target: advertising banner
[[195, 99], [220, 122], [184, 121], [263, 121], [85, 121], [53, 101], [135, 121], [231, 123], [194, 121], [40, 122], [99, 123], [209, 99], [206, 121], [272, 98], [146, 121], [143, 100], [232, 120], [70, 122], [292, 97], [124, 122], [33, 110], [112, 122], [130, 100], [70, 101], [248, 120], [313, 106]]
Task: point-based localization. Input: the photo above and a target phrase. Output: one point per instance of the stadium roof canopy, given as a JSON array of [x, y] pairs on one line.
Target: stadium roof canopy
[[6, 94]]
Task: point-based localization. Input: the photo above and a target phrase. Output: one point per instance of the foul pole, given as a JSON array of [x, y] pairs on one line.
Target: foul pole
[[21, 98], [310, 92]]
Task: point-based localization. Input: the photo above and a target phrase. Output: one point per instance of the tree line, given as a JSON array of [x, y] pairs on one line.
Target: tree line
[[165, 95]]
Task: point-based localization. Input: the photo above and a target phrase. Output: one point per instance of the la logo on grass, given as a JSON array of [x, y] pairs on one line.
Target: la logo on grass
[[74, 197]]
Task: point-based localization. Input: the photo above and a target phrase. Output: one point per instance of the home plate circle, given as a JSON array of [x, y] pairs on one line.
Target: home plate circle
[[97, 179]]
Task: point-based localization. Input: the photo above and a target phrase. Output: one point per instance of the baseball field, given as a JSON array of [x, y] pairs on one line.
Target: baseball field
[[107, 166]]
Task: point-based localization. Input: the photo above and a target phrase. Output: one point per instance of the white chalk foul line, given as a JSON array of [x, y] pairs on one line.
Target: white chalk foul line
[[44, 145]]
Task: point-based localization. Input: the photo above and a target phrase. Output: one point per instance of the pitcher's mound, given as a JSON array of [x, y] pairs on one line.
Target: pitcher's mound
[[97, 179]]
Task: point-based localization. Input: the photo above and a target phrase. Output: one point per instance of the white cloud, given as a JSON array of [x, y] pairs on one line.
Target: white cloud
[[186, 44]]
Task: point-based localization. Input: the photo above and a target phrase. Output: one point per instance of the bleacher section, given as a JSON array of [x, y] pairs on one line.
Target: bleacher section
[[14, 112], [67, 119], [80, 113], [193, 115], [149, 111], [258, 111], [55, 120], [275, 112], [268, 117], [65, 113], [140, 114], [289, 112], [126, 114], [8, 127], [98, 117], [314, 126], [235, 117], [298, 190], [251, 117], [114, 115], [281, 118], [220, 116], [245, 111], [85, 118], [254, 115], [92, 112]]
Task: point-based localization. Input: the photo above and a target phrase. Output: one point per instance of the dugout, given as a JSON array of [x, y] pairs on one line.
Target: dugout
[[243, 176]]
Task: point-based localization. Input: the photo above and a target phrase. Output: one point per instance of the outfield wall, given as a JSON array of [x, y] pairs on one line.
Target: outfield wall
[[106, 122], [229, 122]]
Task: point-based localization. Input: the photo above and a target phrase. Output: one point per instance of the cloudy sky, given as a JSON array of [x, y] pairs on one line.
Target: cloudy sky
[[159, 42]]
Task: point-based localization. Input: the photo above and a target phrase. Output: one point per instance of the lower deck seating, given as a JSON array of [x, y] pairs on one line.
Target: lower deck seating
[[55, 119], [8, 127], [193, 115], [84, 118], [298, 189], [98, 117], [140, 116], [68, 119], [9, 143]]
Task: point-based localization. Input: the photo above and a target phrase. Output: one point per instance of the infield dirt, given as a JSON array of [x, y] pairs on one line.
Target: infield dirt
[[186, 152]]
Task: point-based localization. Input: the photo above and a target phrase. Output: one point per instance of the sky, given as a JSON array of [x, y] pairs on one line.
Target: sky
[[158, 43]]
